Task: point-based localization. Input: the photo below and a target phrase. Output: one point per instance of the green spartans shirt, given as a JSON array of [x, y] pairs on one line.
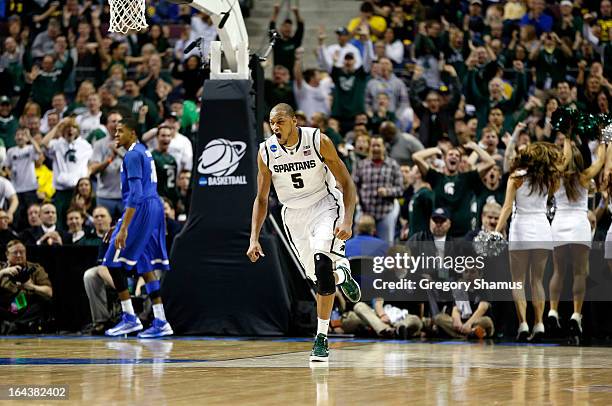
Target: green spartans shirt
[[455, 193]]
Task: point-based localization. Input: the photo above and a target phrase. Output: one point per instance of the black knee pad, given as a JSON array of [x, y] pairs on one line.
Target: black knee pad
[[119, 278], [326, 284]]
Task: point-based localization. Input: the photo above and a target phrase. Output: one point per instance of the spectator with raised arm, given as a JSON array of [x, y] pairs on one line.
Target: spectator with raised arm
[[437, 119], [70, 154], [20, 162], [375, 24], [334, 55], [494, 96], [311, 93], [452, 189], [350, 82], [287, 41]]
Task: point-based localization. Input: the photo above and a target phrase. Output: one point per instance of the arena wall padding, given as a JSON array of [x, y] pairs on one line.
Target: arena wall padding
[[212, 287]]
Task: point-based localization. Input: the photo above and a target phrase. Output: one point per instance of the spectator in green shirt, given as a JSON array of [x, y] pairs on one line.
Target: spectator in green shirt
[[50, 80], [453, 189], [287, 41], [550, 58]]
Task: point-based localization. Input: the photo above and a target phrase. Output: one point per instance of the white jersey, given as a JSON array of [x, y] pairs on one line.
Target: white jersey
[[299, 175]]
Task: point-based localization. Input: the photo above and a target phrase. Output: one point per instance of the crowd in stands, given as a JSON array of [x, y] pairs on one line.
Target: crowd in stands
[[427, 103]]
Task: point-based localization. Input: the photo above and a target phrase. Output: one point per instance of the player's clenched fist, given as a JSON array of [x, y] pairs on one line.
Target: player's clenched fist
[[255, 251], [343, 231]]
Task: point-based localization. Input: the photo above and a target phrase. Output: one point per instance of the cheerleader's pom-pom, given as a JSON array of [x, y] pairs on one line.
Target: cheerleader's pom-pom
[[489, 243]]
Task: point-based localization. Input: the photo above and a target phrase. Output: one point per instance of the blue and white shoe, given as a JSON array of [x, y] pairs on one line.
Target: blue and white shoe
[[159, 328], [129, 323]]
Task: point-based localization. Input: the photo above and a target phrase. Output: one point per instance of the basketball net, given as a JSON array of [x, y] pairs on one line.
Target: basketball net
[[127, 16]]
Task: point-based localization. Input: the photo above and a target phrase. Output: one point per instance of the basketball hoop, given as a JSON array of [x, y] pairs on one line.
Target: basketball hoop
[[127, 16]]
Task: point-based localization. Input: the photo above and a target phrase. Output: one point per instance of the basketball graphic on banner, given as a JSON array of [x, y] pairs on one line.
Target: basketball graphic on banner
[[221, 157]]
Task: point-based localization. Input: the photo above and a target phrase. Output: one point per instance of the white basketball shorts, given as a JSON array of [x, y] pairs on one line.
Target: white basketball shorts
[[311, 230]]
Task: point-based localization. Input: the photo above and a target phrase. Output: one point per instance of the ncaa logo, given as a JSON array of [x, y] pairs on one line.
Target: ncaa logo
[[221, 157], [273, 148]]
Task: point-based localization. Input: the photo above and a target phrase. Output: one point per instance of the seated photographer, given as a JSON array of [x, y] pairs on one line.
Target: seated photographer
[[25, 293], [396, 312], [470, 315]]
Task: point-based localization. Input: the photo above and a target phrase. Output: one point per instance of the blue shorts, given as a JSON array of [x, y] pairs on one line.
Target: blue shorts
[[145, 248]]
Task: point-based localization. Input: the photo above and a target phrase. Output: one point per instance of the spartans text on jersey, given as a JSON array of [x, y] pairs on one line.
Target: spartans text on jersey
[[294, 166]]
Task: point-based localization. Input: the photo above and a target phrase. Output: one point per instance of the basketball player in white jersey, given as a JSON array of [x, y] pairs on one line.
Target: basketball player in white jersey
[[304, 167]]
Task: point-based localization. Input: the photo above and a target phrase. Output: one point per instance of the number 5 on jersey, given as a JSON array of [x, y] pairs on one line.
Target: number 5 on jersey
[[296, 178]]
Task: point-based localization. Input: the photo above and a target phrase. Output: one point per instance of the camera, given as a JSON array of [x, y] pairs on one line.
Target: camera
[[24, 274]]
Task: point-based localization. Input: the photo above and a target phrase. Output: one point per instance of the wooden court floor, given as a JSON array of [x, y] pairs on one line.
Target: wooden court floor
[[204, 371]]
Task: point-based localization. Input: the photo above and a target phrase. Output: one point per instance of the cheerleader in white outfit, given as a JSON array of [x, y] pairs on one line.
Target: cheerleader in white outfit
[[572, 233], [535, 174]]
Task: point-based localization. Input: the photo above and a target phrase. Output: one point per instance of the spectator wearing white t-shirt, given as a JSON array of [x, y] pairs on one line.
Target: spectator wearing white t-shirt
[[90, 120], [334, 54], [70, 155], [105, 163], [180, 147], [311, 95], [8, 198], [21, 162]]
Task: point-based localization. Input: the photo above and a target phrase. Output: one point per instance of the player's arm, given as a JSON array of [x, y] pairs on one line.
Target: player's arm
[[338, 169], [260, 208]]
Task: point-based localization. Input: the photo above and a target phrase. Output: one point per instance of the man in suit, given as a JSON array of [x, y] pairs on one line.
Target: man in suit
[[47, 233]]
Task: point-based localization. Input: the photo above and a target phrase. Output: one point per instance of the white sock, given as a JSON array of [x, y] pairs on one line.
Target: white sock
[[523, 327], [322, 326], [158, 311], [578, 318], [340, 275], [553, 313], [126, 307], [538, 328]]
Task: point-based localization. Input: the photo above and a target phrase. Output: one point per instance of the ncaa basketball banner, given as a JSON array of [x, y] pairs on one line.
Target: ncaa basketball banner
[[212, 287], [219, 160]]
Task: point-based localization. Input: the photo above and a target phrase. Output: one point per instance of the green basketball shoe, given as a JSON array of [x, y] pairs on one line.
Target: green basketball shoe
[[349, 287], [320, 349]]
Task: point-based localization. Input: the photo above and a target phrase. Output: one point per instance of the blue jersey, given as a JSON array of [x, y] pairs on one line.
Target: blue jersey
[[145, 247], [138, 165]]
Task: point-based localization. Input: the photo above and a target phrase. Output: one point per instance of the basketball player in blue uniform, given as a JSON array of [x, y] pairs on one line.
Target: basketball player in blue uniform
[[139, 239], [304, 167]]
